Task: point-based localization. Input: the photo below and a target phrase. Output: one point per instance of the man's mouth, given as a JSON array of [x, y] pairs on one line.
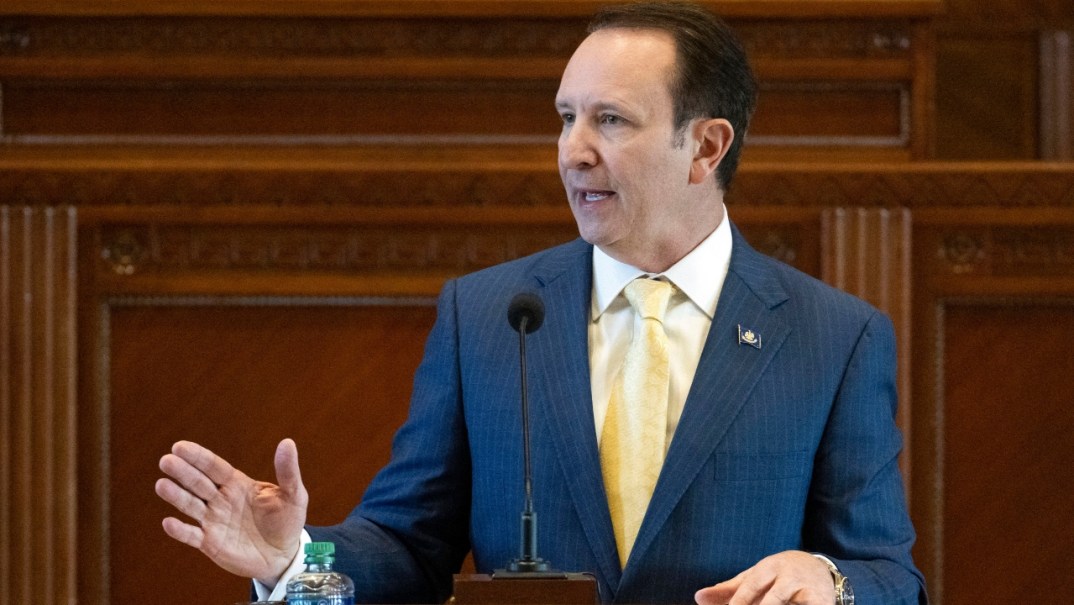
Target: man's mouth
[[595, 196]]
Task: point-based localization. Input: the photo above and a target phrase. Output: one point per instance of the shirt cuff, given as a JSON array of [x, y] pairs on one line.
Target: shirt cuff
[[298, 565]]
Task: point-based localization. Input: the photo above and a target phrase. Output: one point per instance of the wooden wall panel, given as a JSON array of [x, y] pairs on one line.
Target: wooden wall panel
[[38, 403], [238, 375], [1057, 94], [840, 78], [1007, 380], [1003, 79], [267, 111], [986, 97], [236, 329], [993, 302]]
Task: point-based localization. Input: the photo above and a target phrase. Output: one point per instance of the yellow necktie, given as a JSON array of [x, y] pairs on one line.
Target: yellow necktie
[[632, 440]]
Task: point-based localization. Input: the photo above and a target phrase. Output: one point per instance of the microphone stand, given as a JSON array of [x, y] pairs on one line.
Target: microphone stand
[[516, 584], [528, 561]]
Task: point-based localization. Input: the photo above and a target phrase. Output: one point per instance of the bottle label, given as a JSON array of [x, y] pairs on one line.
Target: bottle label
[[320, 600]]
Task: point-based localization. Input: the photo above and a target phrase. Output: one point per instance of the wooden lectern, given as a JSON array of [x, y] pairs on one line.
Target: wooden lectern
[[551, 588]]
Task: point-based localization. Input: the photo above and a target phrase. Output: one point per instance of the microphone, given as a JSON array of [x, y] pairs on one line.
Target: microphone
[[527, 579], [526, 314]]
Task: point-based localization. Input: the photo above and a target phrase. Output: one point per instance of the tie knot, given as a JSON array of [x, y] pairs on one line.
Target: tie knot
[[649, 297]]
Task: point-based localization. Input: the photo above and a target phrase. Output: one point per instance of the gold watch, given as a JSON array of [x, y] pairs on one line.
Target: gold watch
[[844, 593]]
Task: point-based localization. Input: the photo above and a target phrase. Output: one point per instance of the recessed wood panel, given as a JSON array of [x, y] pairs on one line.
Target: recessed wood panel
[[337, 109], [1008, 377], [832, 114], [238, 378], [986, 97]]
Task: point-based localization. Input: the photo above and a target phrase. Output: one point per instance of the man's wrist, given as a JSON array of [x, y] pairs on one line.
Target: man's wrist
[[844, 592], [276, 589]]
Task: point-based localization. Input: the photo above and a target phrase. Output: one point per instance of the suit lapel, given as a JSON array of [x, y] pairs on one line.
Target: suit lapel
[[564, 386], [726, 374]]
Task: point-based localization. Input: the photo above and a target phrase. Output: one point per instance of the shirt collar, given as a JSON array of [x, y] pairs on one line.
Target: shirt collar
[[693, 274]]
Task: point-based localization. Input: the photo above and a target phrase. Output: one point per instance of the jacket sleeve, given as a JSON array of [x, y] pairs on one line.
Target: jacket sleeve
[[857, 513], [410, 533]]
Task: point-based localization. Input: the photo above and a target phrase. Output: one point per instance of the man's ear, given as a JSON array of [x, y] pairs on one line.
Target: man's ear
[[711, 138]]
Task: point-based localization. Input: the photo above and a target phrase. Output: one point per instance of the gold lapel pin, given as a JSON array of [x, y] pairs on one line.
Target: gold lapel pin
[[749, 337]]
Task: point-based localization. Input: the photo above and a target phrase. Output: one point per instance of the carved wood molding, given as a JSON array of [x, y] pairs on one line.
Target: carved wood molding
[[479, 176], [1027, 246], [40, 41], [347, 249], [409, 8], [355, 40], [918, 185], [1056, 94], [38, 503]]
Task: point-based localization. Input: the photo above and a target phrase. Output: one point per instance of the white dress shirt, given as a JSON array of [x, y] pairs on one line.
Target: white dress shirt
[[698, 279]]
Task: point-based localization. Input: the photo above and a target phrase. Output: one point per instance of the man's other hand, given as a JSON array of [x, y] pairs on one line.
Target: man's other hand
[[788, 577], [250, 528]]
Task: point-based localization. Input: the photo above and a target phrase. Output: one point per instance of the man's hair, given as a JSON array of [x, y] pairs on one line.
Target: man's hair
[[713, 77]]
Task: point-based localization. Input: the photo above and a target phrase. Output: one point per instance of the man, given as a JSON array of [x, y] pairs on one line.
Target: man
[[777, 480]]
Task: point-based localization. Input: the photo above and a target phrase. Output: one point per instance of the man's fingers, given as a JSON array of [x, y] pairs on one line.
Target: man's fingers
[[214, 467], [752, 589], [288, 475], [712, 595], [184, 501], [792, 577], [719, 594], [192, 479], [190, 535]]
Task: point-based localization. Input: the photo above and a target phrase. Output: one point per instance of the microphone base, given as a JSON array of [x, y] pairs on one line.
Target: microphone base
[[525, 588], [525, 567]]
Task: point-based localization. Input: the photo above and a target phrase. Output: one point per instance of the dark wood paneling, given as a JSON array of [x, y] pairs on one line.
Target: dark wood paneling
[[848, 76], [238, 376], [993, 308], [986, 97], [1008, 375], [279, 111], [1003, 88], [1057, 94]]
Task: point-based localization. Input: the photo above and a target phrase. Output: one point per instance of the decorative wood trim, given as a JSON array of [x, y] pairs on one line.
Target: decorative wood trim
[[995, 256], [496, 8], [928, 502], [349, 249], [866, 251], [96, 531], [478, 176], [1056, 94], [38, 404]]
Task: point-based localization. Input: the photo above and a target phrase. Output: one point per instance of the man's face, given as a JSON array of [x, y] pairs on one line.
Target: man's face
[[627, 179]]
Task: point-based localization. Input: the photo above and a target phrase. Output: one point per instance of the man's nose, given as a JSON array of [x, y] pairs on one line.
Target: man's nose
[[576, 148]]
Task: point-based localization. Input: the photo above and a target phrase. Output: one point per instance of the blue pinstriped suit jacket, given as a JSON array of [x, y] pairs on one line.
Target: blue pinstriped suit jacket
[[790, 446]]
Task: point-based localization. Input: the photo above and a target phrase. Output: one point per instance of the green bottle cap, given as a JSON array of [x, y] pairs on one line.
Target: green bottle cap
[[321, 548], [320, 552]]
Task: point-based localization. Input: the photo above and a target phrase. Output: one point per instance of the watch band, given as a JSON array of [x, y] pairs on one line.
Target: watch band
[[844, 593]]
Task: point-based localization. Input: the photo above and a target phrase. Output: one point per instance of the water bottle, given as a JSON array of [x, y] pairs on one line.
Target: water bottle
[[319, 585]]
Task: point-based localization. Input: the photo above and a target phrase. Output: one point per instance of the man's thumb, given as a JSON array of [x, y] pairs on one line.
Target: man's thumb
[[288, 476]]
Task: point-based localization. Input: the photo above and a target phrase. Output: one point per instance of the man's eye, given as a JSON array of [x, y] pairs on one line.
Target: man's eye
[[568, 118], [611, 119]]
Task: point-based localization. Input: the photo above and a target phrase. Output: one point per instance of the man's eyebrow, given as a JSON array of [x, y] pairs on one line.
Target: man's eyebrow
[[597, 107]]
